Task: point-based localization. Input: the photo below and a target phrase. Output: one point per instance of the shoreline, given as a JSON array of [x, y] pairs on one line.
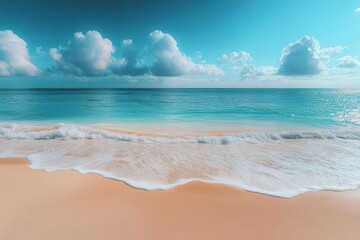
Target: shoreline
[[182, 182], [36, 204], [191, 128]]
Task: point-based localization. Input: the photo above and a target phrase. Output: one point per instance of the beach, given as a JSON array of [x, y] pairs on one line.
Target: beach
[[179, 120], [36, 204]]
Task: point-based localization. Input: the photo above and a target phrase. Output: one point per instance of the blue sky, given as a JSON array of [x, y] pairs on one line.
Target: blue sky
[[162, 43]]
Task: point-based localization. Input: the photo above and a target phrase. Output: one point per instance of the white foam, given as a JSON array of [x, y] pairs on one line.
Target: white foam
[[71, 131], [282, 164]]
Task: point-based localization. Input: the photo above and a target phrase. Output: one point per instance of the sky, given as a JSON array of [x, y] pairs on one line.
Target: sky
[[159, 43]]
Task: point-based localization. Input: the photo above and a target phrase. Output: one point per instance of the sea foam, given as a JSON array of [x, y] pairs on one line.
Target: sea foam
[[279, 163], [71, 131]]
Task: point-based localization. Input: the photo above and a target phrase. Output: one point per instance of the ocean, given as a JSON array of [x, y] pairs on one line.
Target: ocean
[[281, 142]]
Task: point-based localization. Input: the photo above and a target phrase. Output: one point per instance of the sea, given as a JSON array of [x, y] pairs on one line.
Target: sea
[[279, 142]]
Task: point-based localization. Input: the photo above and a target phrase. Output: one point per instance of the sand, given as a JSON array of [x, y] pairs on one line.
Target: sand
[[36, 205]]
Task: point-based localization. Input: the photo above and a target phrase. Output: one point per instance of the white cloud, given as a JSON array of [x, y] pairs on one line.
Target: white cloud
[[14, 56], [266, 70], [170, 61], [91, 55], [40, 52], [237, 62], [87, 55], [129, 64], [302, 57], [325, 53], [357, 10], [55, 54], [234, 57], [198, 56], [250, 70], [348, 62], [126, 42]]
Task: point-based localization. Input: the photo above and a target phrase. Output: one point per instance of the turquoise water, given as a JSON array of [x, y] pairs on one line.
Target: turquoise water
[[281, 142], [305, 107]]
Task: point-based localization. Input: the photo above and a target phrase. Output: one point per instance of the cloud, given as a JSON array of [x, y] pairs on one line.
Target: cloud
[[250, 70], [129, 64], [170, 61], [237, 62], [198, 56], [357, 10], [40, 52], [90, 55], [234, 57], [325, 53], [55, 54], [266, 70], [348, 62], [302, 57], [14, 56], [87, 55]]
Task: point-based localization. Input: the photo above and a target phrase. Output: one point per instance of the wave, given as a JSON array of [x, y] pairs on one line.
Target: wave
[[74, 132], [283, 164]]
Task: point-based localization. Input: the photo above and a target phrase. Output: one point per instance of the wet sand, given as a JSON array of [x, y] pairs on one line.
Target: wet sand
[[35, 204]]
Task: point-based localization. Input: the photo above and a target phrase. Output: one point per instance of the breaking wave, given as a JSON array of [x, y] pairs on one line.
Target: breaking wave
[[279, 163], [70, 131]]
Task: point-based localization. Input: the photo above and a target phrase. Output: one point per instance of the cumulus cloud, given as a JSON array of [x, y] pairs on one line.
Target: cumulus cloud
[[55, 54], [348, 62], [170, 61], [301, 58], [325, 53], [87, 55], [234, 57], [238, 63], [266, 70], [14, 56], [250, 70], [91, 55], [129, 64]]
